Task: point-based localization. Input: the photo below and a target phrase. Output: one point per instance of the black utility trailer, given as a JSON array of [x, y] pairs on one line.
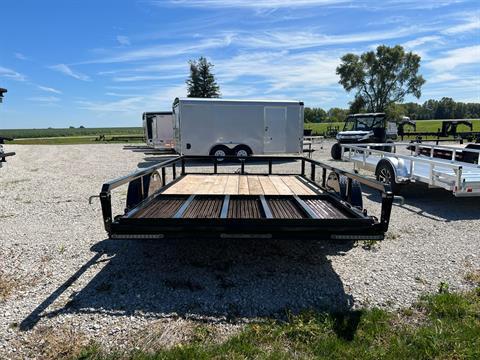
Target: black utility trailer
[[3, 154], [175, 199]]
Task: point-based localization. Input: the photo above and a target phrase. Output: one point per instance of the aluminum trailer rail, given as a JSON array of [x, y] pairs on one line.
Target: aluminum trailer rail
[[174, 199], [461, 178]]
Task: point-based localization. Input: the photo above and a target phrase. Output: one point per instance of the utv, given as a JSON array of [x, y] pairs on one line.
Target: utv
[[366, 128]]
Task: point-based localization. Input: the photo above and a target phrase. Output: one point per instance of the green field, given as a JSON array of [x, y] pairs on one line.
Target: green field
[[68, 136], [422, 126], [64, 132]]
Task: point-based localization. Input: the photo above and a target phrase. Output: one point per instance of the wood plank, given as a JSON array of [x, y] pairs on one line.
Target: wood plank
[[218, 186], [243, 185], [267, 185], [280, 186], [254, 185], [296, 187], [232, 185]]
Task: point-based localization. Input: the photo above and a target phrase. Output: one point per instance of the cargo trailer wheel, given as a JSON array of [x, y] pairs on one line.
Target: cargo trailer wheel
[[242, 151], [385, 174], [336, 151], [220, 151]]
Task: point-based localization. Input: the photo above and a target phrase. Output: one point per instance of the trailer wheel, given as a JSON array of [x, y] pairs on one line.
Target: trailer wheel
[[336, 151], [220, 151], [242, 151], [356, 191], [388, 148], [385, 174]]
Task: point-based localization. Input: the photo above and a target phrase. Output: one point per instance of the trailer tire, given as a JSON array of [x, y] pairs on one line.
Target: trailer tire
[[242, 151], [386, 174], [356, 191], [336, 151], [220, 151], [388, 148]]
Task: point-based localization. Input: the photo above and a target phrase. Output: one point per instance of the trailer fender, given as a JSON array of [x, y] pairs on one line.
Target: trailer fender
[[398, 166], [136, 193]]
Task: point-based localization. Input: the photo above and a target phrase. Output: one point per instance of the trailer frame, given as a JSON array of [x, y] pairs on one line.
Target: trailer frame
[[357, 226]]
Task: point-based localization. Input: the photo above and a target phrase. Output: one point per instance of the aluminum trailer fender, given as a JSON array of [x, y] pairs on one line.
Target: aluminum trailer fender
[[402, 173]]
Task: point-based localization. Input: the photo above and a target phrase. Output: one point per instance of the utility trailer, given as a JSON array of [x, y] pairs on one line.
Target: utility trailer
[[224, 127], [174, 199], [158, 129], [459, 177], [3, 154]]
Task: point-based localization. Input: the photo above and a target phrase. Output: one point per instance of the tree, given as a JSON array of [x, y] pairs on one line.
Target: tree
[[337, 115], [314, 115], [395, 112], [202, 83], [381, 77]]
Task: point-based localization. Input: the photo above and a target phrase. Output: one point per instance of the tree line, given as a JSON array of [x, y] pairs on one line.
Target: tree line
[[446, 108]]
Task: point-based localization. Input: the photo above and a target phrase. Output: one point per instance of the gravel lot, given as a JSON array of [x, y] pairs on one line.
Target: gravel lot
[[62, 281]]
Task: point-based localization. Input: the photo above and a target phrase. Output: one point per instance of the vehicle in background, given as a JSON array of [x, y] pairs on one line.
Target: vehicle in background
[[239, 128], [3, 153], [367, 128], [449, 129], [158, 128]]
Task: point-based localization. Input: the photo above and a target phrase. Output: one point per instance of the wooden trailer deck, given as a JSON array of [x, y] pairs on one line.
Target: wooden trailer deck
[[241, 205], [240, 185]]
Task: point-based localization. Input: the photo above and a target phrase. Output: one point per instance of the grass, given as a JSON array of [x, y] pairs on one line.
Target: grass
[[67, 132], [422, 126], [69, 136], [7, 284], [440, 326]]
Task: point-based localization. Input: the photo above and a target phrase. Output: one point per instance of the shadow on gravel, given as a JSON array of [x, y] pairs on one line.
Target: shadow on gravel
[[434, 204], [209, 280]]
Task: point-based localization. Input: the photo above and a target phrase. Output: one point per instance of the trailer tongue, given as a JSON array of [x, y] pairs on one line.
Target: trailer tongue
[[238, 204]]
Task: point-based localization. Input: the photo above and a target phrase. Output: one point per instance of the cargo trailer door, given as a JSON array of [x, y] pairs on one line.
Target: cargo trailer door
[[275, 129]]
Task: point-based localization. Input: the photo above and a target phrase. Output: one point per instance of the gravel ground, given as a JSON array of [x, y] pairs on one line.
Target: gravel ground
[[63, 283]]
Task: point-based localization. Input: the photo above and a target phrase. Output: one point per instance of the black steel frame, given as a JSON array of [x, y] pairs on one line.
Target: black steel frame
[[360, 224]]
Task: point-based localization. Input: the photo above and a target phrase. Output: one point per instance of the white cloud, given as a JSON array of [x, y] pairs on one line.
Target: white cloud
[[273, 72], [277, 4], [44, 99], [11, 74], [412, 44], [454, 58], [307, 39], [134, 106], [164, 51], [20, 56], [49, 89], [123, 40], [472, 23], [259, 4], [147, 77], [65, 69]]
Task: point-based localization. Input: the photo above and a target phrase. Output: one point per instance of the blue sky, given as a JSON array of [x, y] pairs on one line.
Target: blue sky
[[103, 63]]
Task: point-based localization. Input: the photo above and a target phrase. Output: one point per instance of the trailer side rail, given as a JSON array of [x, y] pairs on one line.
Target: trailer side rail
[[458, 177]]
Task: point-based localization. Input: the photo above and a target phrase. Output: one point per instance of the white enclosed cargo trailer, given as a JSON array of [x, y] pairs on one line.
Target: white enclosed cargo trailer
[[158, 128], [237, 127]]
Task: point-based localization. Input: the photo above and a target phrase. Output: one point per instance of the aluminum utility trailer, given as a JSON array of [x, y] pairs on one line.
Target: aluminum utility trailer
[[461, 178], [173, 199]]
